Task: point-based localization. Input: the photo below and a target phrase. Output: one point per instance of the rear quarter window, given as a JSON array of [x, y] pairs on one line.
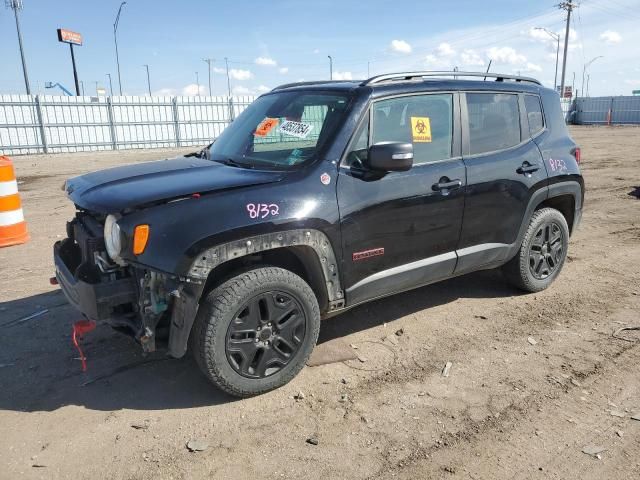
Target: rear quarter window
[[494, 122], [534, 114]]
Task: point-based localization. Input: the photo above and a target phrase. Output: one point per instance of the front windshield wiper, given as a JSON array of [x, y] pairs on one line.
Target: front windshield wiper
[[234, 163]]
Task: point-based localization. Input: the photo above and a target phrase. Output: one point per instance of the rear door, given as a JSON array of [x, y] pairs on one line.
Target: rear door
[[400, 230], [504, 168]]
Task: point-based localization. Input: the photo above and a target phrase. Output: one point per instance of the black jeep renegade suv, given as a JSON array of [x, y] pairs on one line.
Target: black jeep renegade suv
[[318, 197]]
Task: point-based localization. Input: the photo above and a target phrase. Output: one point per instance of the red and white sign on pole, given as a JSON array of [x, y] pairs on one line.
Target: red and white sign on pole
[[67, 36]]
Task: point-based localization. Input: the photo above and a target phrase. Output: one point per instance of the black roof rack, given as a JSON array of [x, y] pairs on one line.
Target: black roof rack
[[407, 76], [302, 84]]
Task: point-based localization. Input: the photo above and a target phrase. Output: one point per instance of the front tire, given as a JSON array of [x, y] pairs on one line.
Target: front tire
[[255, 332], [542, 253]]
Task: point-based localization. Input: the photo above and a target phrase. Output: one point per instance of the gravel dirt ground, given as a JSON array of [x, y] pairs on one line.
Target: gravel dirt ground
[[535, 379]]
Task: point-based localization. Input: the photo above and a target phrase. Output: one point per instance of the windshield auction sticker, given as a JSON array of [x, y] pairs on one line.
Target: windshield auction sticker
[[296, 129], [421, 129], [266, 126]]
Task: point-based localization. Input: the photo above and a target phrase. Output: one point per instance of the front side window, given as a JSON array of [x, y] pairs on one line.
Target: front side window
[[534, 114], [281, 130], [494, 121], [426, 121]]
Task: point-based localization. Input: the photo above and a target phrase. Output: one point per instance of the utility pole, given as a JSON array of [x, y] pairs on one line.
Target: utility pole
[[226, 61], [16, 5], [568, 6], [198, 84], [115, 39], [330, 67], [209, 61], [110, 84], [148, 79], [82, 87], [573, 85]]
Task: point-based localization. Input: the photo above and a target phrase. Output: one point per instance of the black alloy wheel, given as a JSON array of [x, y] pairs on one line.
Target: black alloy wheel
[[266, 334], [546, 251]]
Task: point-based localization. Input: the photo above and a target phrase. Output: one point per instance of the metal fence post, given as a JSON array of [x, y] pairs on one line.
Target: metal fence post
[[43, 136], [176, 120], [230, 101], [112, 126]]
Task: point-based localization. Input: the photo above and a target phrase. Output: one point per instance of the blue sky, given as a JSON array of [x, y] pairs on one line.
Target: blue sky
[[282, 41]]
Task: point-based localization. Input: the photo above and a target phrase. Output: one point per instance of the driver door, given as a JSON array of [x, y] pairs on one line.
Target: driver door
[[400, 230]]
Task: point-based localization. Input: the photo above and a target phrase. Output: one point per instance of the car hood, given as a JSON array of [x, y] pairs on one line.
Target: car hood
[[132, 186]]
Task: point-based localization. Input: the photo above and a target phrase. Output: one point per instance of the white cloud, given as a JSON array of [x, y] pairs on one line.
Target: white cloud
[[263, 89], [316, 51], [445, 50], [470, 57], [610, 37], [506, 55], [532, 67], [436, 62], [266, 62], [164, 92], [219, 70], [238, 74], [283, 70], [632, 82], [342, 76], [240, 90], [400, 46], [192, 89]]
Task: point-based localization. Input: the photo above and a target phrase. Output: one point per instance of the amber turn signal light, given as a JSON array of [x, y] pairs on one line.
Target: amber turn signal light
[[140, 238]]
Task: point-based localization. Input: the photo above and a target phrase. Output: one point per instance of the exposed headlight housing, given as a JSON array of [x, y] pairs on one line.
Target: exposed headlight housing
[[113, 239]]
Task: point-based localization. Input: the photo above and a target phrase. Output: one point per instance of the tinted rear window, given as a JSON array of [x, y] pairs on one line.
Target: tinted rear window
[[494, 121], [534, 113]]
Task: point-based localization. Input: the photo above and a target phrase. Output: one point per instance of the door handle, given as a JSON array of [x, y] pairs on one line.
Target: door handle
[[528, 168], [444, 185]]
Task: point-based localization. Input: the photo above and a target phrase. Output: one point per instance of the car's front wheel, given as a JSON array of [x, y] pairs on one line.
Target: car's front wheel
[[255, 332], [542, 253]]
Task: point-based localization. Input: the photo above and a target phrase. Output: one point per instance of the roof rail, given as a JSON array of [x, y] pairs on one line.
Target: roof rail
[[302, 84], [499, 77]]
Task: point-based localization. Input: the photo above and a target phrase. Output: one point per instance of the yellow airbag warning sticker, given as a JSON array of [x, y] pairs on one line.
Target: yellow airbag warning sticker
[[421, 129]]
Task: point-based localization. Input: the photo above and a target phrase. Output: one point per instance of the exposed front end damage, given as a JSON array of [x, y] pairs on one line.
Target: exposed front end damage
[[130, 298]]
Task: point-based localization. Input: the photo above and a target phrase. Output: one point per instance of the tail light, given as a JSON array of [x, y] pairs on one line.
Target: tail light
[[576, 153]]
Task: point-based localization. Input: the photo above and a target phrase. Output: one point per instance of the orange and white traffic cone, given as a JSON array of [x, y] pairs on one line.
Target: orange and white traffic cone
[[13, 228]]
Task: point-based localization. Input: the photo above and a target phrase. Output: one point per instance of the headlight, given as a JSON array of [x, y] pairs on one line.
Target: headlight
[[113, 238]]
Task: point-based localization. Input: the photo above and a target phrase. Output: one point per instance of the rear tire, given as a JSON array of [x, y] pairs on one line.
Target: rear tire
[[255, 332], [542, 253]]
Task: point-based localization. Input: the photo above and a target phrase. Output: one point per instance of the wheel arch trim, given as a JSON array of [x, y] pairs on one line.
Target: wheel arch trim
[[209, 259]]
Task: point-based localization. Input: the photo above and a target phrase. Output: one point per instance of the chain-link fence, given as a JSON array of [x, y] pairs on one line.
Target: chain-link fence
[[53, 124]]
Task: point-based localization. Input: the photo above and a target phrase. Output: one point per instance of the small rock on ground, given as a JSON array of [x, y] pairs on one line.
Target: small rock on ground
[[197, 445]]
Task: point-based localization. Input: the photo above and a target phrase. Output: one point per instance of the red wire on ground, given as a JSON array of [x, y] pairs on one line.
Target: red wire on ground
[[80, 328]]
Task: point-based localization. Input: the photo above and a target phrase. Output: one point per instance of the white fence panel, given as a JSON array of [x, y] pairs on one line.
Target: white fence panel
[[53, 124]]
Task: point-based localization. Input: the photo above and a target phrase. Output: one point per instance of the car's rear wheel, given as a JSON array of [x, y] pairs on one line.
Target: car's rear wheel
[[542, 253], [255, 332]]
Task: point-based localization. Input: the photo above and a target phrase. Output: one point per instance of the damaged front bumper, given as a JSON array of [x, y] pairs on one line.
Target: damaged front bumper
[[135, 299], [100, 301]]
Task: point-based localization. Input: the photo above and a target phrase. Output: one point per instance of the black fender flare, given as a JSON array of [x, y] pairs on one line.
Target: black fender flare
[[188, 296], [571, 187]]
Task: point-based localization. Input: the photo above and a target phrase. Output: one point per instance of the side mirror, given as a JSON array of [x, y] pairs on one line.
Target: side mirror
[[390, 157]]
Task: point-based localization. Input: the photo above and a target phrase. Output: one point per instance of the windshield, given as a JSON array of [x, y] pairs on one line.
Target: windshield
[[280, 130]]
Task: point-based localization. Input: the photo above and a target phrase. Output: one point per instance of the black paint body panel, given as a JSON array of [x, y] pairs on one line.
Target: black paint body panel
[[427, 235]]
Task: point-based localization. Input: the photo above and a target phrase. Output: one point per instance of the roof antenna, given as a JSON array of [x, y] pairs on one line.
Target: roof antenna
[[488, 68]]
